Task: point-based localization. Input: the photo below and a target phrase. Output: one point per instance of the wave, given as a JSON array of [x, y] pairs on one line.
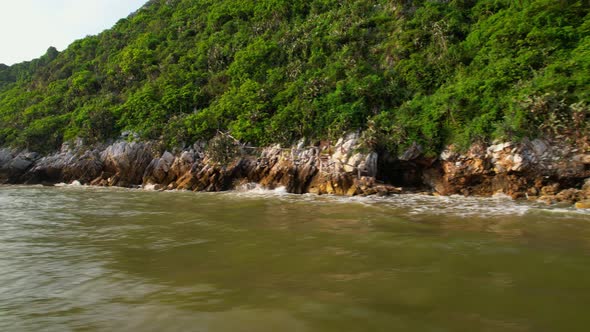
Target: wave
[[257, 189], [499, 205], [405, 204], [74, 183]]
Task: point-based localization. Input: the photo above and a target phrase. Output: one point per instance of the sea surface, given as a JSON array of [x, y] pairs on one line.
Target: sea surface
[[78, 258]]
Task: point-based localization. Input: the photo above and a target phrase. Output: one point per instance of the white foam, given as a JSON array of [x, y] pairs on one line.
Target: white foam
[[257, 189], [247, 187], [410, 204], [74, 183], [502, 196], [462, 206], [150, 187], [457, 206], [561, 212], [280, 190], [497, 206]]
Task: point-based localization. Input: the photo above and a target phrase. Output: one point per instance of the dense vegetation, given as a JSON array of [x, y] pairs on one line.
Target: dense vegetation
[[431, 71]]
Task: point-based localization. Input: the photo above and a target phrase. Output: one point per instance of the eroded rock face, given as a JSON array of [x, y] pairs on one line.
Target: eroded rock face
[[69, 164], [158, 169], [459, 171], [350, 157], [537, 169], [14, 165], [6, 156], [534, 169], [300, 169], [125, 163]]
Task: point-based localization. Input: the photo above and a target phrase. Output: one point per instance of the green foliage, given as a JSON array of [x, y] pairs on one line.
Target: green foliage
[[433, 72], [222, 149]]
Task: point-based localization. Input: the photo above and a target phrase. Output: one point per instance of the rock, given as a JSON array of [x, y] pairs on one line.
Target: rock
[[13, 166], [437, 181], [513, 168], [550, 190], [304, 176], [5, 156], [582, 158], [315, 190], [449, 154], [369, 166], [583, 205], [459, 170], [413, 152], [187, 182], [354, 191], [129, 134], [506, 157], [569, 196], [353, 162], [128, 161], [500, 147], [19, 164], [532, 192], [340, 159], [539, 147], [158, 169], [517, 163], [548, 200], [71, 163], [537, 168]]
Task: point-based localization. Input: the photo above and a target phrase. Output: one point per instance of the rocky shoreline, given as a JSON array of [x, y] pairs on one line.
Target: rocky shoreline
[[534, 170]]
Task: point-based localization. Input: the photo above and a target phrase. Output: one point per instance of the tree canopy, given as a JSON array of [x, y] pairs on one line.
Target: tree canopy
[[273, 71]]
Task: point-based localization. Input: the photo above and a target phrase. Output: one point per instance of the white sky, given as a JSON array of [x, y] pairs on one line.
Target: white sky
[[29, 27]]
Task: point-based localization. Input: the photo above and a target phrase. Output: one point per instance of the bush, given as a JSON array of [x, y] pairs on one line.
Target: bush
[[273, 71], [223, 149]]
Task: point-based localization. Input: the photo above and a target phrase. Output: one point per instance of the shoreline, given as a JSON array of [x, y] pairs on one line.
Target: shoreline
[[529, 170], [496, 206]]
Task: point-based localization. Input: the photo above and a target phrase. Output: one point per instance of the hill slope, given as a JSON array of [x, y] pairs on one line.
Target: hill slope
[[270, 71]]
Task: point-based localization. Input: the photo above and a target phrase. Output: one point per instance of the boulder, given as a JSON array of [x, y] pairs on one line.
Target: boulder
[[128, 161], [13, 166], [412, 153], [6, 156], [569, 196], [550, 190], [582, 158], [70, 164], [158, 169]]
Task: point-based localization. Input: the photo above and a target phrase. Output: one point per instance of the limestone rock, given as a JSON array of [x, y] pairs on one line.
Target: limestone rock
[[538, 168], [69, 164], [158, 169], [413, 152], [14, 165], [583, 158], [569, 196], [550, 190], [128, 161], [6, 156]]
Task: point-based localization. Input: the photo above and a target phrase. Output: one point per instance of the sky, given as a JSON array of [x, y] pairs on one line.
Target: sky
[[29, 27]]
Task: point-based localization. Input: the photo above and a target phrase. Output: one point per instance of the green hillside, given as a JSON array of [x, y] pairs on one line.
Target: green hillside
[[268, 71]]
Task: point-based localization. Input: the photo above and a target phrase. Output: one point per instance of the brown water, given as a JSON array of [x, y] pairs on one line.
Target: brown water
[[91, 259]]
